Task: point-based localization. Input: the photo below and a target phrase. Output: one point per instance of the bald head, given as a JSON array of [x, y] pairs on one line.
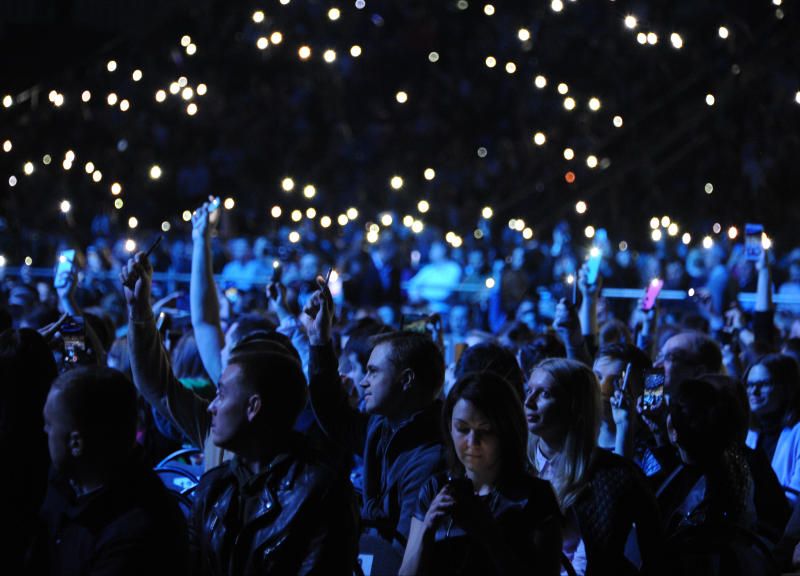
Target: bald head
[[688, 355]]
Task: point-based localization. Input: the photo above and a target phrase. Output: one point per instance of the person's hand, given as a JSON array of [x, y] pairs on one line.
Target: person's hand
[[203, 221], [622, 408], [65, 283], [762, 264], [566, 323], [440, 507], [470, 512], [49, 331], [317, 316], [168, 299], [588, 290], [137, 277], [655, 417], [734, 318], [276, 295]]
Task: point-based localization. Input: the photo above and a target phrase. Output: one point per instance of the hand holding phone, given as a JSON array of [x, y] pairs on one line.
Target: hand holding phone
[[651, 294], [593, 265], [64, 269], [753, 247]]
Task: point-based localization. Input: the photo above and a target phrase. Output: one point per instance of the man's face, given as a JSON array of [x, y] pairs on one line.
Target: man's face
[[58, 426], [381, 386], [764, 396], [675, 358], [459, 319], [228, 410]]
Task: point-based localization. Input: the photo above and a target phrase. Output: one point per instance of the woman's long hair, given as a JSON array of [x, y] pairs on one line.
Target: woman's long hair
[[496, 399], [580, 393]]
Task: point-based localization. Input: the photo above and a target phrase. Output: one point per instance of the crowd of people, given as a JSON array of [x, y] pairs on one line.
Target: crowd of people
[[402, 415]]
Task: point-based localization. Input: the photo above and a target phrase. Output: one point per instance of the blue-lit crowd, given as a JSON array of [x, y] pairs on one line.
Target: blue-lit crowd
[[206, 404]]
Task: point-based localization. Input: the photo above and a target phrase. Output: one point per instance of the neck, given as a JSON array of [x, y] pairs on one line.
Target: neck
[[550, 447], [258, 456], [769, 422], [483, 481], [86, 480]]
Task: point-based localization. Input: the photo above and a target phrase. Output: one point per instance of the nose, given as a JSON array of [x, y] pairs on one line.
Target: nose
[[472, 438], [212, 408], [363, 383]]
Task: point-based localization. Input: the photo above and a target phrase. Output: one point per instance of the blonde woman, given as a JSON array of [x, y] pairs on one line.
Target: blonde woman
[[602, 496]]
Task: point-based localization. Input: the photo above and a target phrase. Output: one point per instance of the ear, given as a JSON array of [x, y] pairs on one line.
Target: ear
[[75, 444], [407, 378], [253, 407]]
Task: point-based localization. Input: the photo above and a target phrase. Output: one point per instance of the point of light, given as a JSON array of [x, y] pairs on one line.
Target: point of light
[[130, 245], [408, 220], [511, 67], [334, 14], [89, 167], [490, 62], [133, 222], [732, 232], [309, 191], [417, 226], [489, 283], [296, 216], [352, 213], [591, 161], [686, 238], [677, 41], [723, 32], [262, 43], [7, 146], [258, 18], [401, 97], [766, 243], [161, 95], [28, 168], [355, 50], [656, 235], [540, 81], [329, 56], [276, 37], [202, 89], [672, 229], [652, 38], [429, 173], [665, 221], [174, 88], [112, 99], [342, 220], [191, 109], [186, 40], [423, 206], [433, 57], [556, 5], [136, 75], [65, 206], [311, 213], [594, 104], [111, 65], [487, 213], [524, 34], [488, 10], [287, 184], [641, 38], [631, 22], [527, 233], [165, 226], [191, 49], [304, 52], [569, 154], [580, 207], [386, 219], [617, 121], [709, 188], [124, 105], [710, 99], [589, 231], [186, 216], [708, 242], [229, 203], [539, 138], [654, 222], [12, 181], [717, 227], [8, 101], [97, 176], [396, 182], [155, 172], [569, 103], [623, 246], [325, 222], [118, 204], [562, 88], [86, 96], [276, 211]]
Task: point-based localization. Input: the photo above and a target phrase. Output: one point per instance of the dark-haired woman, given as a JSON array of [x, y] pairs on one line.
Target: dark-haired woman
[[488, 516]]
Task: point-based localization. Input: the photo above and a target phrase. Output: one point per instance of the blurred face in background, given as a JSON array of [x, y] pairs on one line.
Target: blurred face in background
[[764, 396]]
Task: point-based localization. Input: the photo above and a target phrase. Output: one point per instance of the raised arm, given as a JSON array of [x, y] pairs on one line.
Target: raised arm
[[328, 399], [203, 294], [152, 373], [588, 309]]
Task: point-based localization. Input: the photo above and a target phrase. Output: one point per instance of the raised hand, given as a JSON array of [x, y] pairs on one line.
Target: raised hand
[[317, 316], [204, 221], [137, 278]]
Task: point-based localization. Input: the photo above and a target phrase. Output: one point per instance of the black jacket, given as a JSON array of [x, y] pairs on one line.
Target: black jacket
[[130, 527], [397, 462], [295, 517]]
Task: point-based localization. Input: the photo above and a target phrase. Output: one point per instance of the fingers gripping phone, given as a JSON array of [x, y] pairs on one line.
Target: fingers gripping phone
[[64, 267]]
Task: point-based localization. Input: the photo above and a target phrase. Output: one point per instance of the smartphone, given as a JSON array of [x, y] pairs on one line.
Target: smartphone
[[73, 332], [277, 271], [651, 294], [414, 323], [571, 288], [653, 387], [621, 383], [64, 267], [753, 247], [214, 204], [593, 265]]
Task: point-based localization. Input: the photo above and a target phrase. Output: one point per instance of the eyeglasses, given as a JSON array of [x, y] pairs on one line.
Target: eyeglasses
[[760, 384]]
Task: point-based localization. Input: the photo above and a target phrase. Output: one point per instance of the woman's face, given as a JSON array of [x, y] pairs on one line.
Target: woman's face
[[545, 408], [476, 443], [764, 395]]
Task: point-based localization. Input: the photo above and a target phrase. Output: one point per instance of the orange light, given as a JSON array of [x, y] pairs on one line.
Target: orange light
[[569, 177]]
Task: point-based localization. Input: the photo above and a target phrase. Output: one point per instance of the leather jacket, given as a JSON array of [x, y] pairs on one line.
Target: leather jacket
[[294, 517]]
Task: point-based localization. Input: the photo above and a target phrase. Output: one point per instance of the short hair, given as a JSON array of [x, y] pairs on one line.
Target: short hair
[[101, 402], [494, 397], [360, 338], [419, 353], [543, 346], [277, 376], [701, 414], [247, 324], [703, 351], [492, 358], [627, 354], [27, 369], [784, 374], [614, 331]]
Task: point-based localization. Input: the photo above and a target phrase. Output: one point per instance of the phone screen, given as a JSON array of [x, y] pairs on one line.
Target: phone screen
[[415, 323], [593, 265], [651, 293], [653, 387], [73, 331], [753, 247], [64, 267]]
